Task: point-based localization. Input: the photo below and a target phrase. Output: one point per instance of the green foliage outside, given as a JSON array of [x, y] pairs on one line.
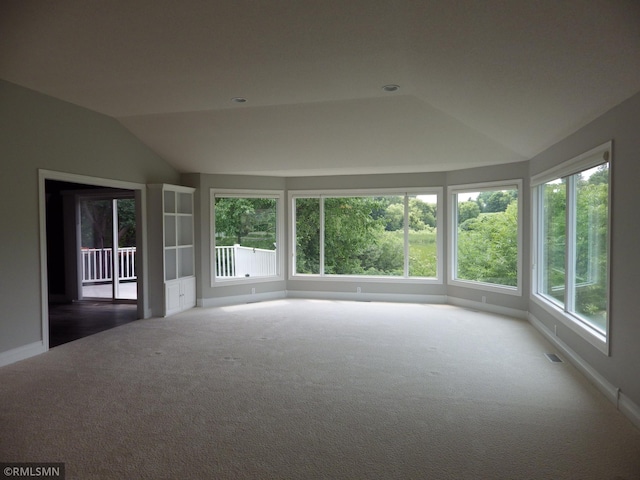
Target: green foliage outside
[[96, 220], [365, 236], [249, 222], [488, 247], [589, 286]]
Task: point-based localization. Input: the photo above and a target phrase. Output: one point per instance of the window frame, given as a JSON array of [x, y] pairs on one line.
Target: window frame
[[452, 192], [377, 192], [595, 157], [278, 195]]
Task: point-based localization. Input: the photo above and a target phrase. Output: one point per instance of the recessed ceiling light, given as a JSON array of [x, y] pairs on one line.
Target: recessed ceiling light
[[391, 88], [238, 100]]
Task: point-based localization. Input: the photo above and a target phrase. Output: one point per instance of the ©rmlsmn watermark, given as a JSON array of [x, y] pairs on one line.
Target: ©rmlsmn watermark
[[30, 470]]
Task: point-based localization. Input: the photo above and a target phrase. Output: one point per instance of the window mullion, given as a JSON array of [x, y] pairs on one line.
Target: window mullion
[[406, 235], [570, 245], [322, 235]]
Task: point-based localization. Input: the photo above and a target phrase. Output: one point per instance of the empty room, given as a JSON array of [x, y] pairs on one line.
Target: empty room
[[326, 239]]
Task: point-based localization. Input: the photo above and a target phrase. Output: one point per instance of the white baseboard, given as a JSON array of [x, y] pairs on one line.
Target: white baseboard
[[629, 408], [487, 307], [21, 353], [367, 297], [240, 299]]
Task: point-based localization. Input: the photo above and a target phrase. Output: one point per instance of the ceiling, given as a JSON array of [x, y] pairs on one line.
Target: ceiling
[[482, 82]]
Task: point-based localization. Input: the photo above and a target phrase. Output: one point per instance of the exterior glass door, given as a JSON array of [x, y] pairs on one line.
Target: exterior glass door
[[108, 248]]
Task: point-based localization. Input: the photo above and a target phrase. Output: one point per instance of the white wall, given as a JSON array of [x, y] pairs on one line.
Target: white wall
[[40, 132]]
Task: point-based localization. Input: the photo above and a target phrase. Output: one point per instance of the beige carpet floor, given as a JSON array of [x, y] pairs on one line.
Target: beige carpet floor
[[307, 389]]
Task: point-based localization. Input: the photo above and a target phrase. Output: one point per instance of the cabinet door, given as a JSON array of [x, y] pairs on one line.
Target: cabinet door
[[172, 297], [189, 292]]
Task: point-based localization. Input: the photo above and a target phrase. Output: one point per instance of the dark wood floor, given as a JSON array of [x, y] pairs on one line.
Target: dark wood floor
[[68, 322]]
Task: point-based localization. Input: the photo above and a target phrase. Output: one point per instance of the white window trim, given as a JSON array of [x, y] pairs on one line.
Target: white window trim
[[452, 210], [375, 192], [280, 235], [594, 157]]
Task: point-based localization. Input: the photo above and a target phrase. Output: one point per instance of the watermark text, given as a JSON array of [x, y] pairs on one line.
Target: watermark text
[[29, 470]]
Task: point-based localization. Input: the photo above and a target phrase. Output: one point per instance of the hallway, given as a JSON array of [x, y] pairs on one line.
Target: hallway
[[71, 321]]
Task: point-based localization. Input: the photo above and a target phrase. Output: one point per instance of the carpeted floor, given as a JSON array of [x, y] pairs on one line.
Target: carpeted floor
[[307, 389]]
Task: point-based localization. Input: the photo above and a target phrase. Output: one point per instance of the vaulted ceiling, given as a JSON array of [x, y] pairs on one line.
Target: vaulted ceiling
[[482, 82]]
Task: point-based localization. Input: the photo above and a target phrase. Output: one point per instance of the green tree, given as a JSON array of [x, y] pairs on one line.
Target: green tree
[[394, 217], [361, 241], [488, 247], [425, 212], [96, 223], [467, 210], [249, 222], [384, 256], [495, 200], [308, 235], [554, 239], [349, 230], [591, 246], [126, 222]]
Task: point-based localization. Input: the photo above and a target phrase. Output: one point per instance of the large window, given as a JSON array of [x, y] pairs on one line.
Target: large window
[[572, 241], [246, 230], [386, 235], [485, 236]]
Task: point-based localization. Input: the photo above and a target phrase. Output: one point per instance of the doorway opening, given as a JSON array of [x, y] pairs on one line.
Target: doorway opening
[[92, 259]]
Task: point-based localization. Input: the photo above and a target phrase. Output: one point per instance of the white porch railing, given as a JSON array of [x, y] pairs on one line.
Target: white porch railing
[[97, 265], [236, 261]]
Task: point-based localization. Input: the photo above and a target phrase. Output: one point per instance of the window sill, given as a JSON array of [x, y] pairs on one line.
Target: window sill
[[594, 338], [224, 282], [487, 287], [364, 279]]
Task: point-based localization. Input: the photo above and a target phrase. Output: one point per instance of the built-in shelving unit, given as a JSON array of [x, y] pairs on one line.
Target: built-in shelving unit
[[172, 221]]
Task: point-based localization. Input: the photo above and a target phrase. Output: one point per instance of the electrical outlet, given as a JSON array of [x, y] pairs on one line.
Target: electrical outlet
[[484, 299], [358, 290], [253, 291]]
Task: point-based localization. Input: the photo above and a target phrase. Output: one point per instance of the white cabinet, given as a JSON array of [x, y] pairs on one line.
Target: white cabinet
[[171, 242], [179, 295]]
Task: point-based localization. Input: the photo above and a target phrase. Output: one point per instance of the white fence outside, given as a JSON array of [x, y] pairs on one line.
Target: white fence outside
[[236, 262], [97, 264]]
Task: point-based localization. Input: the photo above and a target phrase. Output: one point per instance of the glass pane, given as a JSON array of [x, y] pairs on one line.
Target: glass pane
[[169, 201], [553, 241], [592, 193], [170, 229], [127, 249], [307, 235], [245, 237], [96, 223], [487, 237], [423, 251], [185, 203], [364, 235], [170, 264], [185, 262], [185, 230]]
